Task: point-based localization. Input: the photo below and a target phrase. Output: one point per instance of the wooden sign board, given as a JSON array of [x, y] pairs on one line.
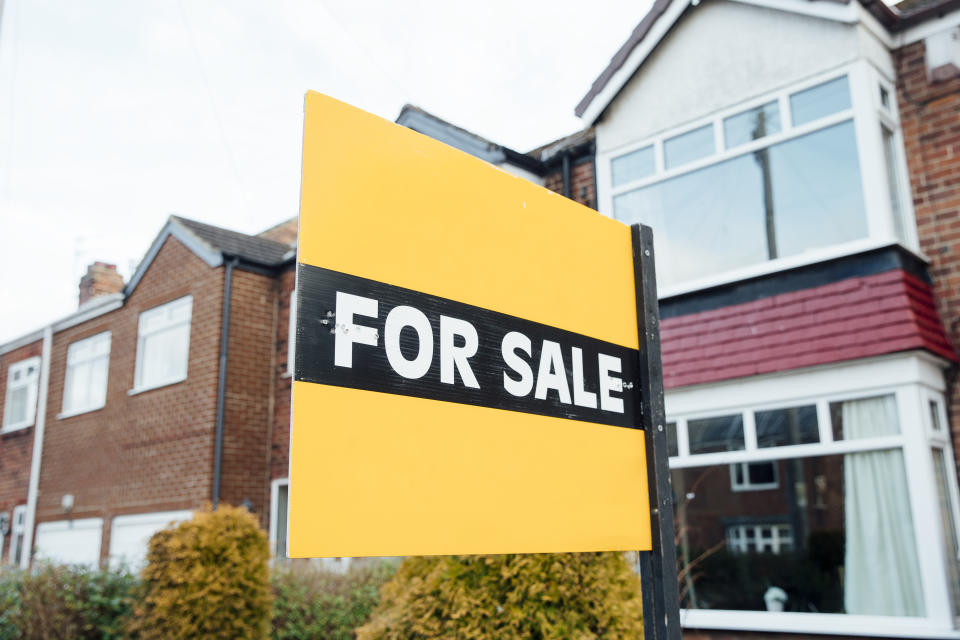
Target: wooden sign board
[[466, 352]]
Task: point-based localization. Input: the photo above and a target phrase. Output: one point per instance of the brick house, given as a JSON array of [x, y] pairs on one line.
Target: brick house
[[803, 184]]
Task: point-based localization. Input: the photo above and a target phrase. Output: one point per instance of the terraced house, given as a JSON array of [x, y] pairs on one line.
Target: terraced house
[[799, 162]]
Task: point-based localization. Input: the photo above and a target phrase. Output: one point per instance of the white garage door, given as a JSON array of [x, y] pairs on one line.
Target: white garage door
[[70, 541], [129, 535]]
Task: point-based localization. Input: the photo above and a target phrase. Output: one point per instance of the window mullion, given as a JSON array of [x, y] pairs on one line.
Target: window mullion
[[750, 430], [683, 438]]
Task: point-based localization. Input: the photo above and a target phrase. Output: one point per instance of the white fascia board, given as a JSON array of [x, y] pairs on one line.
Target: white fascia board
[[22, 341], [633, 61], [823, 9], [198, 247], [928, 28]]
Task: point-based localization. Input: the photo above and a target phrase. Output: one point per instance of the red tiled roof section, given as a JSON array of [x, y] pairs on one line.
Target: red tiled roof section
[[854, 318]]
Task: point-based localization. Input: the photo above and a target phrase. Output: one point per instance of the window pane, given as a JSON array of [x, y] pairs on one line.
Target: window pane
[[790, 198], [866, 418], [17, 405], [835, 527], [780, 427], [949, 526], [632, 166], [762, 473], [280, 551], [751, 125], [723, 433], [935, 416], [893, 182], [819, 101], [164, 356], [672, 448], [688, 146]]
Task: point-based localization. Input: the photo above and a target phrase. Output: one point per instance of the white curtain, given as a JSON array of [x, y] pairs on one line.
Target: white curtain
[[881, 571]]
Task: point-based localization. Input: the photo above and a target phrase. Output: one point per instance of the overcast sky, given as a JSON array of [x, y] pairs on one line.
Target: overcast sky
[[115, 114]]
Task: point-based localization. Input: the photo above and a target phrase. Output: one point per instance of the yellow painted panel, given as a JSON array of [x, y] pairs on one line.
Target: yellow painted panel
[[383, 202], [378, 474]]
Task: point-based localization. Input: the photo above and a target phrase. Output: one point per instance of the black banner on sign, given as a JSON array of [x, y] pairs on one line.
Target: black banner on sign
[[360, 333]]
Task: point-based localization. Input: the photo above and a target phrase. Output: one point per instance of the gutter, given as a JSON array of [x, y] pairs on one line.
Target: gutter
[[33, 489], [222, 380]]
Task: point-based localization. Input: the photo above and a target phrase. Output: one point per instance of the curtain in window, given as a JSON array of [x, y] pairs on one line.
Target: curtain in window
[[881, 571]]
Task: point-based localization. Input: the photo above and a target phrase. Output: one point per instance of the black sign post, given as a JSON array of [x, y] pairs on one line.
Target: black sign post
[[658, 568]]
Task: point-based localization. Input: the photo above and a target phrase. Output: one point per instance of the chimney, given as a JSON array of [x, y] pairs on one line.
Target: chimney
[[101, 279]]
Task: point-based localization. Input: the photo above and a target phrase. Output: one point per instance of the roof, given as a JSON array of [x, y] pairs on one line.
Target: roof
[[254, 249], [654, 27], [581, 139], [422, 121]]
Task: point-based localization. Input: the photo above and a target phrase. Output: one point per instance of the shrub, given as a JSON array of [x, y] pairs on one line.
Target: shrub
[[206, 578], [579, 596], [310, 602], [55, 602]]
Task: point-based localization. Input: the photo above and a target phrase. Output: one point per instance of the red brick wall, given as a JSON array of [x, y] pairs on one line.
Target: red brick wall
[[248, 409], [280, 448], [15, 446], [152, 451], [581, 181], [930, 119]]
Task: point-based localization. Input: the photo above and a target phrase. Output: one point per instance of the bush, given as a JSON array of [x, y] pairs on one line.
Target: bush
[[313, 603], [56, 602], [579, 596], [206, 578]]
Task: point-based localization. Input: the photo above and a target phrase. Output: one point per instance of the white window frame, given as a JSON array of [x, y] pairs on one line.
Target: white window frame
[[138, 373], [738, 543], [18, 526], [74, 361], [913, 378], [274, 509], [33, 386], [747, 485], [866, 113]]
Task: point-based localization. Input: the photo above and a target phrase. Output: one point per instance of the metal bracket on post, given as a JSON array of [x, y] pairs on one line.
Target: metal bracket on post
[[658, 568]]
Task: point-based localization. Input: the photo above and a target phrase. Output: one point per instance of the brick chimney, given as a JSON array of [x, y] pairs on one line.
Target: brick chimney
[[101, 279]]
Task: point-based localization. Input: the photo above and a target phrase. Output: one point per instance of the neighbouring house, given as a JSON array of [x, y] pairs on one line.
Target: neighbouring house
[[799, 162]]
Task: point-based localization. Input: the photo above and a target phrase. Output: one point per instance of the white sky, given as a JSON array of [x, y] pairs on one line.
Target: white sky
[[114, 114]]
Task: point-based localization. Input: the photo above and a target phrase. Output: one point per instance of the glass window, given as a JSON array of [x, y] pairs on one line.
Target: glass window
[[819, 101], [85, 385], [280, 545], [780, 427], [951, 543], [787, 199], [163, 344], [18, 530], [935, 416], [893, 181], [632, 166], [826, 540], [750, 125], [884, 98], [688, 146], [20, 401], [673, 448], [866, 418], [754, 476], [723, 433]]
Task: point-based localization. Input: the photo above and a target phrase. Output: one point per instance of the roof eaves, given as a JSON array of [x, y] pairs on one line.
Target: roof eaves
[[201, 249]]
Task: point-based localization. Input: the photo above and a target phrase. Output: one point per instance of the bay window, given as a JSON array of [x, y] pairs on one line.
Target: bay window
[[790, 177], [811, 502]]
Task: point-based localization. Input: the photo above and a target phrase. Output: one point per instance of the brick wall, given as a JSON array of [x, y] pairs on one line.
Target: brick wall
[[249, 395], [280, 445], [582, 183], [931, 133], [152, 451], [16, 447]]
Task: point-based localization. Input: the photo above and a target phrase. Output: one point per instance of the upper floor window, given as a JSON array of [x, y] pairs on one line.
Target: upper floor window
[[20, 402], [782, 178], [85, 384], [163, 344]]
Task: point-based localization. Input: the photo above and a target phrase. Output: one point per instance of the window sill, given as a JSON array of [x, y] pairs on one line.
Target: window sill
[[139, 390], [825, 623], [77, 412], [16, 427]]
